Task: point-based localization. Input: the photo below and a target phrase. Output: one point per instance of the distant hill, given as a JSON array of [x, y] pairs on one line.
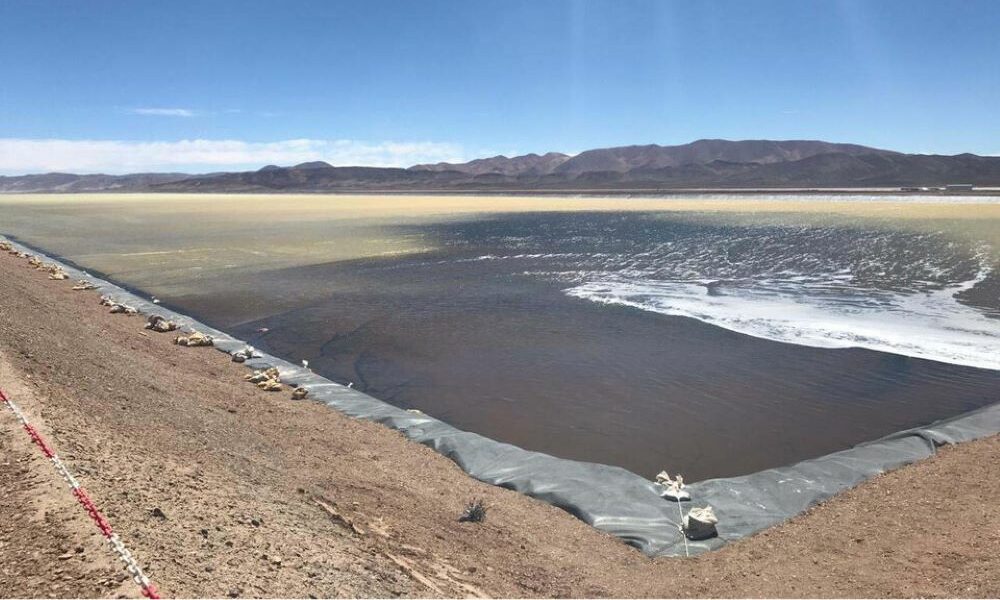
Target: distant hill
[[708, 164], [529, 164], [702, 152], [68, 182]]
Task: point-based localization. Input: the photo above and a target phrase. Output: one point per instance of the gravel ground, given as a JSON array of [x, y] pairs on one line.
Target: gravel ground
[[221, 489]]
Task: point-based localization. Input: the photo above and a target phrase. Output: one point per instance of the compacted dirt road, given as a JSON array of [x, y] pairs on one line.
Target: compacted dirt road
[[220, 489]]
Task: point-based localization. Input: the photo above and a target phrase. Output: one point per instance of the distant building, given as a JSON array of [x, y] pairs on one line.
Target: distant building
[[958, 187]]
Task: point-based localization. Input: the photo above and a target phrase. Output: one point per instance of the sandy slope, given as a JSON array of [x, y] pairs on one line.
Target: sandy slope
[[236, 472]]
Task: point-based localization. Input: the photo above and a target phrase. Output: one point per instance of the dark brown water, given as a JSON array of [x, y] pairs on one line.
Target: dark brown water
[[643, 341]]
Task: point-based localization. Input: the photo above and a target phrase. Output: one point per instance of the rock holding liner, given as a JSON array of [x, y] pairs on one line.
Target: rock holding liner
[[83, 284], [262, 375], [125, 309], [245, 354], [673, 489], [270, 385], [268, 379], [699, 524], [160, 324], [118, 307], [194, 339]]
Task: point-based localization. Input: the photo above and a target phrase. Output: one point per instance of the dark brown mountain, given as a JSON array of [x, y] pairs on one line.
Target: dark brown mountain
[[312, 177], [316, 164], [701, 152], [529, 164], [628, 158], [706, 164]]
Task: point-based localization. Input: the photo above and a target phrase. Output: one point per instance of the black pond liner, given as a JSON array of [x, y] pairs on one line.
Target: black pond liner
[[609, 498]]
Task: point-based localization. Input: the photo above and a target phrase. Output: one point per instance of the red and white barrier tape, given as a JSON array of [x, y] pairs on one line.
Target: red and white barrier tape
[[148, 589]]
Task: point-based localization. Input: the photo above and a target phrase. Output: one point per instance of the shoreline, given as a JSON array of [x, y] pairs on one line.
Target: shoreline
[[84, 315]]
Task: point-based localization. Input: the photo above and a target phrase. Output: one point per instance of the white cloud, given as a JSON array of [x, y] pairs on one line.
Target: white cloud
[[165, 112], [19, 156]]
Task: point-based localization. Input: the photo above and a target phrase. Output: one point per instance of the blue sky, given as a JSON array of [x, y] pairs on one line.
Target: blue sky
[[200, 86]]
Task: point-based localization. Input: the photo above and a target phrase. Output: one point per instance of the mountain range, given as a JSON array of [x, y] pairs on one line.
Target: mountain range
[[703, 164]]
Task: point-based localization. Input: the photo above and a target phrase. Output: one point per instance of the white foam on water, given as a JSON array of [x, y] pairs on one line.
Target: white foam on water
[[841, 286], [870, 198], [925, 324]]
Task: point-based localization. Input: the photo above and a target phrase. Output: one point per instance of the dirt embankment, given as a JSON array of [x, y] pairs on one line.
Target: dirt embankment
[[222, 489]]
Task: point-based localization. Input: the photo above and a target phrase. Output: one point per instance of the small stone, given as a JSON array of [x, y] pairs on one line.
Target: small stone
[[255, 522], [234, 592], [158, 513], [209, 569]]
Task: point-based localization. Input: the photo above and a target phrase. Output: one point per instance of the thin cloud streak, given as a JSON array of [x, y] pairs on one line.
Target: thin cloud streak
[[19, 156], [165, 112]]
